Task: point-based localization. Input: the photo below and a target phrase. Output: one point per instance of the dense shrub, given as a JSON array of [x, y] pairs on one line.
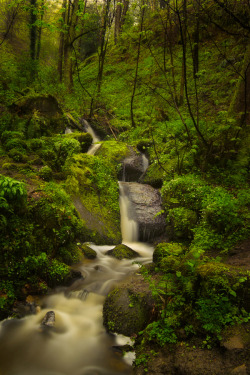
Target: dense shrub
[[181, 221], [8, 135], [46, 173], [16, 143], [18, 156]]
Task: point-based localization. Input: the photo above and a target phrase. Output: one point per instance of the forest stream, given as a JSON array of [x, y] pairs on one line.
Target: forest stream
[[78, 343]]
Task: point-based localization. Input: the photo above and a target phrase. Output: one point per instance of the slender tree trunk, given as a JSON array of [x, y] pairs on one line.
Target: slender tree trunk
[[61, 41], [196, 40], [103, 46], [137, 67], [184, 43], [72, 18], [118, 14], [39, 37], [196, 125], [33, 29]]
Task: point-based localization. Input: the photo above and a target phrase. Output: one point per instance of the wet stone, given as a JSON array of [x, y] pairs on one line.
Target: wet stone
[[49, 320]]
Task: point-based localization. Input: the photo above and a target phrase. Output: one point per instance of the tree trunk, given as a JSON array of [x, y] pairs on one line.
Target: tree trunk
[[240, 103], [33, 29], [184, 43], [61, 42], [118, 14], [196, 40], [137, 67]]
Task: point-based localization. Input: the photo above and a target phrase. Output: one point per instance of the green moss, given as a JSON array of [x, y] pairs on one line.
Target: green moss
[[88, 252], [113, 151], [84, 139], [181, 221], [125, 312], [165, 249], [122, 252], [93, 180], [46, 173]]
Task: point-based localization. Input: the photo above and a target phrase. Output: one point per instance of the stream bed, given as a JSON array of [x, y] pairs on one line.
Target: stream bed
[[78, 344]]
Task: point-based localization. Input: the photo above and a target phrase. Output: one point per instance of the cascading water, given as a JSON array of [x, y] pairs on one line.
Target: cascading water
[[78, 344], [94, 147], [129, 227]]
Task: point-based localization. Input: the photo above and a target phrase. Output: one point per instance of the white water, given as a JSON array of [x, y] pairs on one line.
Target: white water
[[94, 147], [129, 227], [79, 344], [145, 162]]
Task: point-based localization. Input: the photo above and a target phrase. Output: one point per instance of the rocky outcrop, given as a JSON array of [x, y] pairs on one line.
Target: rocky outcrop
[[146, 202], [97, 226], [128, 308], [133, 166], [43, 115], [47, 106]]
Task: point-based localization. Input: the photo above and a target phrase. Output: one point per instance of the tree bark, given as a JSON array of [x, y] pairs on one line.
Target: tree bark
[[137, 67], [61, 41]]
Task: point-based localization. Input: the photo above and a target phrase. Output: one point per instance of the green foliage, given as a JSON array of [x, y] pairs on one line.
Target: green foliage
[[93, 180], [46, 173], [17, 155], [188, 191], [182, 221], [7, 297], [85, 139], [57, 272], [36, 144], [8, 135], [164, 249], [95, 175], [12, 190], [193, 291], [220, 210], [113, 151]]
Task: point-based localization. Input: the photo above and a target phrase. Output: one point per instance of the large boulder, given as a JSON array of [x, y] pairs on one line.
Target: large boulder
[[42, 113], [129, 308], [146, 206], [122, 252], [133, 166]]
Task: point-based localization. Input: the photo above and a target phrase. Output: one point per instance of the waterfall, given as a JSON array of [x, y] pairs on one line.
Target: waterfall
[[145, 162], [68, 131], [94, 147], [129, 226]]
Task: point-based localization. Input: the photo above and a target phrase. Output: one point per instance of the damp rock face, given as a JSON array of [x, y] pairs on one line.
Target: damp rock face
[[146, 203], [133, 167]]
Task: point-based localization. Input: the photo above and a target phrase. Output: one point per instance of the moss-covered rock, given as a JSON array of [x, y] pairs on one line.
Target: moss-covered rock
[[85, 139], [225, 278], [128, 308], [122, 252], [166, 249], [93, 183], [88, 252]]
